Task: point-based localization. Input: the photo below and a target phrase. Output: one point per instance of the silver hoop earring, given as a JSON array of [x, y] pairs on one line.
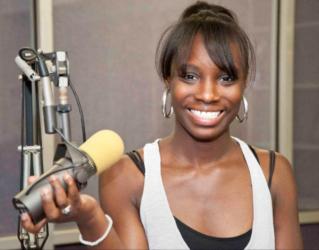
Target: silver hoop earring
[[245, 116], [164, 104]]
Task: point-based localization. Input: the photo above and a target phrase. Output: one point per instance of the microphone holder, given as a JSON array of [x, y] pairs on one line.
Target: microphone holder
[[31, 143], [77, 163]]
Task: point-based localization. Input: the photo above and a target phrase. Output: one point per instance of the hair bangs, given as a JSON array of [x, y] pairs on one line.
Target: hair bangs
[[219, 33], [217, 37], [175, 47]]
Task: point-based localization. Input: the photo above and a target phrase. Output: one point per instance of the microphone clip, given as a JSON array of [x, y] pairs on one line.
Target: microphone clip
[[83, 165]]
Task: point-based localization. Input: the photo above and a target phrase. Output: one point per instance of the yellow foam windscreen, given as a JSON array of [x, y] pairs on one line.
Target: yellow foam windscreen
[[105, 147]]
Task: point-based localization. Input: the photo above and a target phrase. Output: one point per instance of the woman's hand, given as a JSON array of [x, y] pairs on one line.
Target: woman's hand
[[82, 207]]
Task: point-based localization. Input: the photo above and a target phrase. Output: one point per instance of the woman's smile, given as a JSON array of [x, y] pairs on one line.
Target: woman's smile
[[205, 98], [206, 118]]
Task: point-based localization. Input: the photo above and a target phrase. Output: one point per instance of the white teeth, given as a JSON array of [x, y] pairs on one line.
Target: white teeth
[[205, 115]]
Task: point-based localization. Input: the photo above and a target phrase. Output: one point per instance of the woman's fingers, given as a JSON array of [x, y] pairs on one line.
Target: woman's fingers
[[53, 198], [60, 195], [56, 199], [28, 225], [73, 192], [50, 209]]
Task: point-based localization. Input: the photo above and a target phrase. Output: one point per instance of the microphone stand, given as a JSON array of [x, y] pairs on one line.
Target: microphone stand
[[31, 144], [31, 155]]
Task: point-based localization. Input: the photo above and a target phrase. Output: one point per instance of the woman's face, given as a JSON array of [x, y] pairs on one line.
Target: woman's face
[[205, 99]]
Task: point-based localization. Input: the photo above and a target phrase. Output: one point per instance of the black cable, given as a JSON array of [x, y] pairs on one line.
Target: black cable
[[22, 134], [80, 110], [30, 54], [38, 121]]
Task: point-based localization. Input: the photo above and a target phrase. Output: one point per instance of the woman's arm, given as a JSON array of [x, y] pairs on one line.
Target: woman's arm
[[285, 206], [120, 190]]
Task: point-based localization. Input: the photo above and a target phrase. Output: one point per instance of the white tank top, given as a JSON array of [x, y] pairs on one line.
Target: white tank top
[[159, 223]]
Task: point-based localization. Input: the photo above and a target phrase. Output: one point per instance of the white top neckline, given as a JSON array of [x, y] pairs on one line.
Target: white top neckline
[[262, 225]]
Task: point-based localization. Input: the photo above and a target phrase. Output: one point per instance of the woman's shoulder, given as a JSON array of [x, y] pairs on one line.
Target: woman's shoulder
[[124, 168], [281, 173], [123, 179], [264, 156]]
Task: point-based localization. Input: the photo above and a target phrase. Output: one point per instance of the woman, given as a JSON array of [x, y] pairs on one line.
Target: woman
[[197, 188]]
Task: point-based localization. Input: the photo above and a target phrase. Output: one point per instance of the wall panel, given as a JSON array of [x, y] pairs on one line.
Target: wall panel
[[15, 33]]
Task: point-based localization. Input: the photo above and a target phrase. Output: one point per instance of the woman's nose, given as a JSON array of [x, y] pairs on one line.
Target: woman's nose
[[208, 91]]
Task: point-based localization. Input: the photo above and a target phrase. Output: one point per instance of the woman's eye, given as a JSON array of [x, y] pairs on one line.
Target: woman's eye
[[189, 76], [227, 79]]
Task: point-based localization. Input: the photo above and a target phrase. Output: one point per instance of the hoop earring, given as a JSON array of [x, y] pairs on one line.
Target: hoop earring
[[245, 116], [164, 104]]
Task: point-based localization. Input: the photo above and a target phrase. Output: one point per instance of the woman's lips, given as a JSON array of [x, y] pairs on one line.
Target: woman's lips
[[206, 118]]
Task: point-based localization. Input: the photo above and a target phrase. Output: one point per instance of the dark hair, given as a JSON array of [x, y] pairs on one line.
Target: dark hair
[[218, 27]]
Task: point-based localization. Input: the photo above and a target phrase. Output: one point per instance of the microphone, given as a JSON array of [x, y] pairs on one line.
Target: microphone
[[49, 108], [26, 69], [95, 155]]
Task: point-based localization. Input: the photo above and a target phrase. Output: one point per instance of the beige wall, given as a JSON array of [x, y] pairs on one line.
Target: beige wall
[[15, 33], [306, 103], [111, 46]]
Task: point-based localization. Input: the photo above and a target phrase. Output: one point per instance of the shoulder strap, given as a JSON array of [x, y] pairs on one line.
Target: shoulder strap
[[254, 152], [137, 159], [272, 160]]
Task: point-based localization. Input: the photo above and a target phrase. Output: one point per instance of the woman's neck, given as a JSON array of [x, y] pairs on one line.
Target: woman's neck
[[182, 147]]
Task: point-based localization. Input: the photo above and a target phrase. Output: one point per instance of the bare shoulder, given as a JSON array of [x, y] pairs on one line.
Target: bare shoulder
[[122, 181], [284, 166], [263, 156], [122, 169], [283, 179], [285, 201]]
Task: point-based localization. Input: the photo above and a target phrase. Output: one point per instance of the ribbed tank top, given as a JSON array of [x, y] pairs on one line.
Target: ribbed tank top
[[159, 223]]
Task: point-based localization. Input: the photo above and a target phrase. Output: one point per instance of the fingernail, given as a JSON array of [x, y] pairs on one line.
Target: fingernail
[[45, 193], [53, 178], [67, 178], [24, 216]]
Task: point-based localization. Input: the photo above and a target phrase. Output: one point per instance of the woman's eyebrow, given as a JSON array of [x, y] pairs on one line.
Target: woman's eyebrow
[[186, 67]]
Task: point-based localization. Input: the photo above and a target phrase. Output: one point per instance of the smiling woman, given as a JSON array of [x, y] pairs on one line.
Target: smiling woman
[[211, 57], [205, 98], [198, 187]]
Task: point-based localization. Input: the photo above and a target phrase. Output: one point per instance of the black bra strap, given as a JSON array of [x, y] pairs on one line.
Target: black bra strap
[[272, 160], [137, 159], [254, 152]]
